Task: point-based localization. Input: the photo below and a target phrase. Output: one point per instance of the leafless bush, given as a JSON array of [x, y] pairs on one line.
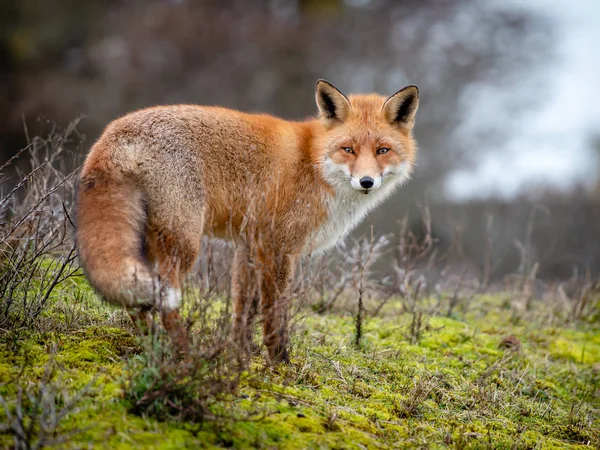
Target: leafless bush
[[37, 250], [416, 327], [577, 299], [162, 385], [199, 385], [415, 396], [363, 258], [213, 270], [335, 278], [35, 415], [415, 254], [419, 274]]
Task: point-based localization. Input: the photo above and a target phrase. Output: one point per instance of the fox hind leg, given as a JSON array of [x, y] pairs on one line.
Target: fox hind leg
[[175, 250], [142, 319]]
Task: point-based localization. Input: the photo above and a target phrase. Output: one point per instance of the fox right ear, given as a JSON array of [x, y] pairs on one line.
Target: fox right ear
[[333, 105]]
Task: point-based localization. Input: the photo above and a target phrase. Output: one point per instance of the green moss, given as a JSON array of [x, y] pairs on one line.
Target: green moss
[[454, 386], [577, 347]]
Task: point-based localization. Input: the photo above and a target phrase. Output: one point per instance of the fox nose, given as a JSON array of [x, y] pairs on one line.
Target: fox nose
[[367, 182]]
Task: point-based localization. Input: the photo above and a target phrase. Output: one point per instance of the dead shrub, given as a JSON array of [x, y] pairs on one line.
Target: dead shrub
[[37, 249], [35, 416]]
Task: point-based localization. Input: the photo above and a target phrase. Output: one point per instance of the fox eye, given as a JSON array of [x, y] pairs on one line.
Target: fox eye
[[348, 150], [382, 150]]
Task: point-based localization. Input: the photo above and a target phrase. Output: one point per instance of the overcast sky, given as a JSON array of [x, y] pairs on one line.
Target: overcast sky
[[552, 145]]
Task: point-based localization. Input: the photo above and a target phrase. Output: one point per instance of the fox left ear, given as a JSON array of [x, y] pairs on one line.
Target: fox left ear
[[400, 108]]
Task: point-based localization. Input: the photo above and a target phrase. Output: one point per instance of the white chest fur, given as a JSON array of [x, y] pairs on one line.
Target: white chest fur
[[345, 211]]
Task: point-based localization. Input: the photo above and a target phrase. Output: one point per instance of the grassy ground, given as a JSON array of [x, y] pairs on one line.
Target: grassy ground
[[456, 382]]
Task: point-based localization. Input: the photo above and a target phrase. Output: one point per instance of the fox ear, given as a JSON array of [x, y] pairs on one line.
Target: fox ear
[[400, 108], [333, 105]]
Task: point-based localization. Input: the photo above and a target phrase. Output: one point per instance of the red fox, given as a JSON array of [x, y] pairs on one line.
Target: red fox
[[160, 178]]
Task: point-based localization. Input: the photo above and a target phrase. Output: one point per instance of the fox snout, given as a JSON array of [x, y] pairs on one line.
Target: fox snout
[[366, 183]]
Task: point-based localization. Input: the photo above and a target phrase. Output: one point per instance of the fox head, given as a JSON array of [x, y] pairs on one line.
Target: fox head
[[367, 142]]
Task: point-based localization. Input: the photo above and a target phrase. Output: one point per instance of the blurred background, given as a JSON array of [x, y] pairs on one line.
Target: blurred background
[[508, 125]]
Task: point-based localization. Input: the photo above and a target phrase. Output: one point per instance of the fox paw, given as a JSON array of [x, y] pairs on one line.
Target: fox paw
[[279, 354]]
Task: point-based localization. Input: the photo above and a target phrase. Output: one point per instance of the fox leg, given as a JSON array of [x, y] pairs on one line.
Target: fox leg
[[245, 295], [263, 276], [142, 316], [142, 319], [276, 270], [176, 252]]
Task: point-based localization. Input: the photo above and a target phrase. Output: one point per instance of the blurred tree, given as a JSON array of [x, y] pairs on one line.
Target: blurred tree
[[34, 38], [595, 144], [102, 59]]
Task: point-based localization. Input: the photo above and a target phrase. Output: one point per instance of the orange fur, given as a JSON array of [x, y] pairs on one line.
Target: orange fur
[[160, 178]]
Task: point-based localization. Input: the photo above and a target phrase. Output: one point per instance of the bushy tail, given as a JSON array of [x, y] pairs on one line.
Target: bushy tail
[[110, 236]]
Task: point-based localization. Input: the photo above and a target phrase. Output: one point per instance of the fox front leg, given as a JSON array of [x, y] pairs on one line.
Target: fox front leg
[[262, 274], [245, 293], [275, 305]]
